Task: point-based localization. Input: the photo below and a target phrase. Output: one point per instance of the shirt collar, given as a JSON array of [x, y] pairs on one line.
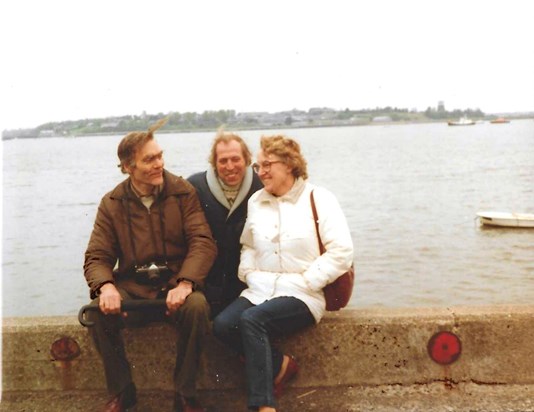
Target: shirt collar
[[292, 194], [155, 191]]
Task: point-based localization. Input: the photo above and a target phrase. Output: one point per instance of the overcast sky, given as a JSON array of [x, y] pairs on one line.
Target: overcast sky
[[68, 60]]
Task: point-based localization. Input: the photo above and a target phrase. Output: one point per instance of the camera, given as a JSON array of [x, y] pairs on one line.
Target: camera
[[151, 273]]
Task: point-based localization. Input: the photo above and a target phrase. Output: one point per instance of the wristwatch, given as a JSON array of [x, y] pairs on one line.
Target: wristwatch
[[193, 285]]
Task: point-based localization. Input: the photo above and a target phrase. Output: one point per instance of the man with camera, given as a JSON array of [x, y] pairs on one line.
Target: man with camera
[[150, 241], [224, 190]]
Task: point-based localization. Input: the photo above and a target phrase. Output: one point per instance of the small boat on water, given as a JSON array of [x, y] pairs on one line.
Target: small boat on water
[[463, 121], [506, 219], [499, 120]]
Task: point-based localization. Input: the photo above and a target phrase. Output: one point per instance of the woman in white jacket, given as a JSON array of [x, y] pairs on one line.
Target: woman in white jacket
[[282, 267]]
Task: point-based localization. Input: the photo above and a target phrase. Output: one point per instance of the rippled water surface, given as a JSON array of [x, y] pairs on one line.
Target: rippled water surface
[[410, 194]]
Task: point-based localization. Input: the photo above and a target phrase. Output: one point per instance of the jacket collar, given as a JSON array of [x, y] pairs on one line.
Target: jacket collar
[[171, 186], [216, 189], [291, 196]]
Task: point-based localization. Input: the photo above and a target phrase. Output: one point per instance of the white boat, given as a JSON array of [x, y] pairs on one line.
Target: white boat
[[506, 219], [463, 121]]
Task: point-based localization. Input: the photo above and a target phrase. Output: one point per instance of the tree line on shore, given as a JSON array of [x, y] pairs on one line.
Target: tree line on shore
[[211, 120]]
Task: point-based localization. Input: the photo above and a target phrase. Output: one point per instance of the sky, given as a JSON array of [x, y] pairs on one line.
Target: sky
[[70, 60]]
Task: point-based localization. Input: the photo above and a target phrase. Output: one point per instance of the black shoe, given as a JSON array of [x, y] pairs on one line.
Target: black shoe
[[186, 404]]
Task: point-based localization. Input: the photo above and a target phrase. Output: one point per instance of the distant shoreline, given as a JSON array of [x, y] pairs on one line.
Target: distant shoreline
[[260, 127], [206, 130], [386, 120]]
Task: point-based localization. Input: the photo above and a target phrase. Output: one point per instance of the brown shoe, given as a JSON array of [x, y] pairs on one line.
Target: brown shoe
[[187, 404], [289, 374], [123, 402]]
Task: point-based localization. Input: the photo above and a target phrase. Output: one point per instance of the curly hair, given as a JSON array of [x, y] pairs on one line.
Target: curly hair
[[288, 150], [133, 141], [227, 137]]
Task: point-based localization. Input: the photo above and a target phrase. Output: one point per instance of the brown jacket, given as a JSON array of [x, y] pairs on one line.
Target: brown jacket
[[189, 247]]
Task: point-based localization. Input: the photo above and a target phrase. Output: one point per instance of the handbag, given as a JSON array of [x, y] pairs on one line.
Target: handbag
[[337, 294]]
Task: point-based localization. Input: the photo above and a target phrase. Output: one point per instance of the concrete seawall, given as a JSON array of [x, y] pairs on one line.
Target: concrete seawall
[[357, 359]]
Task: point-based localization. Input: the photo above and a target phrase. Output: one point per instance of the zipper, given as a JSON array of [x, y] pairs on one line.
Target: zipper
[[151, 228]]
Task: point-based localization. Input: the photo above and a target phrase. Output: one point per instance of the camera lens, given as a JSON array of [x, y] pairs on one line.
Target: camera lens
[[153, 272]]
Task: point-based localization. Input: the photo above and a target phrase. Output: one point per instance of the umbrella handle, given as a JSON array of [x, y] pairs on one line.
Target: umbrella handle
[[126, 305]]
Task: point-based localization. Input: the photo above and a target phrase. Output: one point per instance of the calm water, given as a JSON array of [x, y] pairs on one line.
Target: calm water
[[410, 194]]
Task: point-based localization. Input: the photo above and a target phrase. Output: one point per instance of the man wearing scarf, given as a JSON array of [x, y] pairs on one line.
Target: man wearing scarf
[[224, 190]]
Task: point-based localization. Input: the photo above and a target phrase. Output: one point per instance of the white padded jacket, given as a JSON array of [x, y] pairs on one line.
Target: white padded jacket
[[280, 254]]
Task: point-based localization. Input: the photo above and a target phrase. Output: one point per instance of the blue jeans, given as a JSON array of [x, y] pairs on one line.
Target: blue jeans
[[248, 329]]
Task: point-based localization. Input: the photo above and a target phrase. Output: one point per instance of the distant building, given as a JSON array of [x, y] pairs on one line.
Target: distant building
[[382, 119], [320, 110], [441, 106], [110, 125], [46, 133]]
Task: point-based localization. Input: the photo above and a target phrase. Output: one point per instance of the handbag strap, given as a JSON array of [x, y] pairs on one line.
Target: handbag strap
[[316, 221]]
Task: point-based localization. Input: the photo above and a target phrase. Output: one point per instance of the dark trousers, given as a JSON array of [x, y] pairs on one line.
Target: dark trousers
[[249, 329], [191, 322]]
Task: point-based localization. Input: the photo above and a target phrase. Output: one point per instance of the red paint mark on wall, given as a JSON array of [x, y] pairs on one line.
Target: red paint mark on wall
[[444, 348], [65, 349]]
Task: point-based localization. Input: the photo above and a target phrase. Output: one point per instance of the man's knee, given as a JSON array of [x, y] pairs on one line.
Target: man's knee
[[195, 305]]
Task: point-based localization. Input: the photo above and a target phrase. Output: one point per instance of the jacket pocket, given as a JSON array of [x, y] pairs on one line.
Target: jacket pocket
[[259, 281]]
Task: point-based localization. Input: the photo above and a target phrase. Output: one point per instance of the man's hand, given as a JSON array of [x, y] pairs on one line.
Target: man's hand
[[110, 299], [177, 296]]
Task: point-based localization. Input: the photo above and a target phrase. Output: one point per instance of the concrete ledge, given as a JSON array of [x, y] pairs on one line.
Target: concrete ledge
[[433, 397], [353, 348]]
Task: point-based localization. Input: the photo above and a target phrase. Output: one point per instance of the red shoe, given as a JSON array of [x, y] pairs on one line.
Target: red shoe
[[289, 374]]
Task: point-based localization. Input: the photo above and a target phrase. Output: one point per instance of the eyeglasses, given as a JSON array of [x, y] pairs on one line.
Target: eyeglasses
[[266, 166]]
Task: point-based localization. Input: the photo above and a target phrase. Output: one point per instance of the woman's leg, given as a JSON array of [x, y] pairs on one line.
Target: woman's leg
[[258, 325], [226, 324]]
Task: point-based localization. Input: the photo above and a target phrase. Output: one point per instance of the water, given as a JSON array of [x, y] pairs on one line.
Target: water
[[410, 194]]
